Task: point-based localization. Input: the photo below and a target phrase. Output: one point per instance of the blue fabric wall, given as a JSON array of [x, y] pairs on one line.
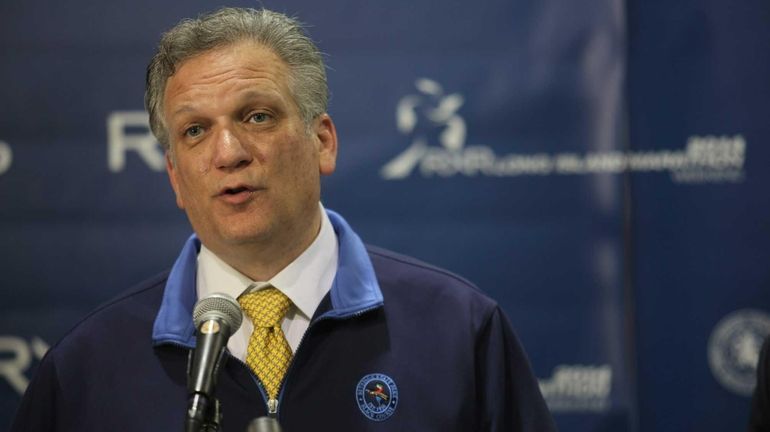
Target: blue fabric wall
[[596, 166]]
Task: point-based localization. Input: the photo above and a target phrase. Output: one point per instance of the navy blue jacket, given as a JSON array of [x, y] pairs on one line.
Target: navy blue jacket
[[395, 345]]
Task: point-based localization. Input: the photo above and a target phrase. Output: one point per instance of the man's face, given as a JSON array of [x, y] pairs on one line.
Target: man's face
[[242, 163]]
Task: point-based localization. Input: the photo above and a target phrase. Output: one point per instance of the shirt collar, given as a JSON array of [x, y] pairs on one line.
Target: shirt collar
[[354, 289], [305, 281]]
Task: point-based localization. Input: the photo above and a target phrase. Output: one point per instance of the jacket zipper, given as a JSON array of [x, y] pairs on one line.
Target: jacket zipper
[[276, 403], [273, 404]]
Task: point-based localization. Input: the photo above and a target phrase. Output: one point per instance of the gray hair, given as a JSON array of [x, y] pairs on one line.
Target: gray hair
[[283, 35]]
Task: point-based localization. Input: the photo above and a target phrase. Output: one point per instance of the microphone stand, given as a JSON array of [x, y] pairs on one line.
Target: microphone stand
[[264, 424], [203, 416], [215, 318], [204, 413]]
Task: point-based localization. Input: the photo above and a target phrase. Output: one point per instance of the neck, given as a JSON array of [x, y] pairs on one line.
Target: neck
[[260, 261]]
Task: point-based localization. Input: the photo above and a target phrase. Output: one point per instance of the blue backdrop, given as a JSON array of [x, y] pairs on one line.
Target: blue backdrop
[[594, 165]]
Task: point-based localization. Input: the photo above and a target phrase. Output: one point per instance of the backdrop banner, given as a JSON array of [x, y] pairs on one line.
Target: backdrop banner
[[592, 165], [698, 97]]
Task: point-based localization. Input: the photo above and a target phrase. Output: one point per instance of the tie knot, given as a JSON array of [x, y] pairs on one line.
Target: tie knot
[[265, 307]]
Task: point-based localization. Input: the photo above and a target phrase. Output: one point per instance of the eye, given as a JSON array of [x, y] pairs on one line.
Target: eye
[[259, 117], [193, 131]]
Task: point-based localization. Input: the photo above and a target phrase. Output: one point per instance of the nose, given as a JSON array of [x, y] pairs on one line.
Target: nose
[[230, 151]]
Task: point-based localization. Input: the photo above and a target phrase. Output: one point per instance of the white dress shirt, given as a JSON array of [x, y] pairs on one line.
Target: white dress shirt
[[305, 281]]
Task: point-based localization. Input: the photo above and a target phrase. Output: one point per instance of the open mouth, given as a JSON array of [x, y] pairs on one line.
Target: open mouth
[[236, 191], [237, 194]]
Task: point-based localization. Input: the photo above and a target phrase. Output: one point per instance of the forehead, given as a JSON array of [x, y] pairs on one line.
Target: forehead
[[230, 67]]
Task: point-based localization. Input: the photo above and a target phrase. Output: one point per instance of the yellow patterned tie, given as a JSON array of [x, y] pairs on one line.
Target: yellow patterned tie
[[268, 354]]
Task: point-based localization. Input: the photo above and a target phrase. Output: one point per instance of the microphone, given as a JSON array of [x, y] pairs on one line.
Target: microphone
[[264, 424], [216, 318]]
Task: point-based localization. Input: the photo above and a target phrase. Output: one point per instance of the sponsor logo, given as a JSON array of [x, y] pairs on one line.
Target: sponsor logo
[[578, 388], [377, 396], [16, 355], [436, 133], [427, 118], [6, 157], [733, 349], [129, 131]]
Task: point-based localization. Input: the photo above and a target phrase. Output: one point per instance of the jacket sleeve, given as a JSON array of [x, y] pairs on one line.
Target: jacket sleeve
[[37, 412], [760, 403], [509, 397]]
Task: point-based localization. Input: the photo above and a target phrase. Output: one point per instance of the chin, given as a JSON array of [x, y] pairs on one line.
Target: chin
[[242, 237], [233, 234]]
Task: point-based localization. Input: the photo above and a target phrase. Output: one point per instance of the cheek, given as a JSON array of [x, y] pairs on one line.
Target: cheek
[[302, 165], [202, 167], [304, 154], [191, 181], [199, 162]]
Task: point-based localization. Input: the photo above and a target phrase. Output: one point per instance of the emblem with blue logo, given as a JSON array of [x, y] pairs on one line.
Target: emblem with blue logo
[[377, 396]]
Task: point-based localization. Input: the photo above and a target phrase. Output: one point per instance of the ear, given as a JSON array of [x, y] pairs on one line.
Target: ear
[[172, 177], [326, 134]]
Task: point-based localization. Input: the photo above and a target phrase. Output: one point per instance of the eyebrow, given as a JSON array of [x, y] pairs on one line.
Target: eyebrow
[[250, 95], [245, 96], [183, 109]]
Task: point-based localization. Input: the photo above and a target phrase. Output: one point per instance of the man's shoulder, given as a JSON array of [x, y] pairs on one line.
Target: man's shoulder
[[398, 273], [397, 262], [131, 312], [140, 301]]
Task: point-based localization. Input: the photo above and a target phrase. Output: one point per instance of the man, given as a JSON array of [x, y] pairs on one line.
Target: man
[[364, 339], [759, 419]]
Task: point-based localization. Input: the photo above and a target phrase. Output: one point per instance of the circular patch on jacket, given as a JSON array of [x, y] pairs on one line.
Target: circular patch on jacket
[[377, 396]]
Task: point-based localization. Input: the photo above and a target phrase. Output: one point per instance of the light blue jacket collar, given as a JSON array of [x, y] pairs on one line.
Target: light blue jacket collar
[[354, 290]]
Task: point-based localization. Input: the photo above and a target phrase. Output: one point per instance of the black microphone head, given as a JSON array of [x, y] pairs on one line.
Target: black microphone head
[[219, 306]]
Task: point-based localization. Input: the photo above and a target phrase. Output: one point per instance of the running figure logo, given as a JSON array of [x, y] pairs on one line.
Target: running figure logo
[[428, 117]]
